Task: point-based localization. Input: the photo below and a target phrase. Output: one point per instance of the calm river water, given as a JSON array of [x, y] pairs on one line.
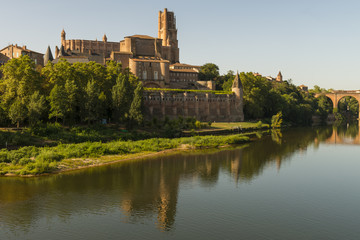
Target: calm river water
[[301, 185]]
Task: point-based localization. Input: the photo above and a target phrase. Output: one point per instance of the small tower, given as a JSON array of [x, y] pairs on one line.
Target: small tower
[[279, 77], [48, 56], [104, 38], [56, 52], [237, 88], [63, 37]]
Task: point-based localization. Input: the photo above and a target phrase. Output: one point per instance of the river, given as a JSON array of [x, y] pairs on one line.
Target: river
[[298, 184]]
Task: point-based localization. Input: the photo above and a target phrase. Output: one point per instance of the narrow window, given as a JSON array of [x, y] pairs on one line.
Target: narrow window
[[156, 76]]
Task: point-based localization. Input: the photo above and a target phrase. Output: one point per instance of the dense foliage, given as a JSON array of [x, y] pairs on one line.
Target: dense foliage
[[264, 99], [72, 93]]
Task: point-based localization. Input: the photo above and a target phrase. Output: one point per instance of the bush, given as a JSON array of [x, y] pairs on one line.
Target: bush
[[4, 157], [49, 156], [276, 120], [198, 124]]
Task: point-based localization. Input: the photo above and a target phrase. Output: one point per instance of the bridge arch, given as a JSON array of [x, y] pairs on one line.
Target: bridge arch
[[336, 96], [349, 106]]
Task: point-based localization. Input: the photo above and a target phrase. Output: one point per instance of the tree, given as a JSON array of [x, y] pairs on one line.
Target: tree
[[19, 81], [58, 102], [36, 108], [92, 102], [73, 98], [136, 108], [227, 80], [122, 95], [17, 112], [209, 71]]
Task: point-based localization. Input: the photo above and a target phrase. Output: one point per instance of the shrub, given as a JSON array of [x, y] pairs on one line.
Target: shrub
[[276, 120], [259, 124], [49, 156], [198, 124]]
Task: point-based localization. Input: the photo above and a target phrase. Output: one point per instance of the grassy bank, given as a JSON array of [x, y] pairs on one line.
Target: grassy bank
[[33, 160]]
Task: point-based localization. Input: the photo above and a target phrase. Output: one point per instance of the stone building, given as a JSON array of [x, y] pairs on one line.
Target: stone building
[[155, 61], [204, 106], [15, 51]]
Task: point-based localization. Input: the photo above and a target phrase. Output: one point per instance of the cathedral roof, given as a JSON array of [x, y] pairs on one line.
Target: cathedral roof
[[187, 70], [237, 82], [140, 36], [48, 56]]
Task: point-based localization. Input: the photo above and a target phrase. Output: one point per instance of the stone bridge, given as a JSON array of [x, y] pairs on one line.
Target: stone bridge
[[336, 96]]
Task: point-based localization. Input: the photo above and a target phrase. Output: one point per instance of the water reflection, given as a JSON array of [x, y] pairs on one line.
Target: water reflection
[[148, 189], [345, 134]]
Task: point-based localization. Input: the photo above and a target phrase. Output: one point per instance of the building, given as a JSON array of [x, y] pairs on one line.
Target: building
[[15, 51], [3, 59], [304, 88], [203, 106], [155, 61]]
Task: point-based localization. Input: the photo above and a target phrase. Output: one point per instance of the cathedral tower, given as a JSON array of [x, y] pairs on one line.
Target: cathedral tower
[[279, 77], [168, 33], [63, 37]]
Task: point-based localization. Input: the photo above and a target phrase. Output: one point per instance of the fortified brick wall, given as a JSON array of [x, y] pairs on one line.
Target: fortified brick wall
[[202, 106]]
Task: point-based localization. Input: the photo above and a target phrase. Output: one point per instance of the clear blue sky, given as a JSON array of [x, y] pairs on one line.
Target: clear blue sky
[[312, 42]]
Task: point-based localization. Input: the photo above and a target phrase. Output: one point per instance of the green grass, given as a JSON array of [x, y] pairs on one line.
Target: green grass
[[37, 160]]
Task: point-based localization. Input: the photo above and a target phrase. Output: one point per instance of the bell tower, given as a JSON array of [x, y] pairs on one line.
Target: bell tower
[[168, 33], [63, 38]]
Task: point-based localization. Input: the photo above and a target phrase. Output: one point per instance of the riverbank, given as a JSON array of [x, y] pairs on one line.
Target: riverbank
[[222, 128], [36, 161]]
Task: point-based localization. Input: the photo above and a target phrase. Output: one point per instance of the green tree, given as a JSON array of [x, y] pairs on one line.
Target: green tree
[[17, 112], [36, 108], [19, 81], [137, 105], [58, 102], [209, 71], [122, 95], [92, 102], [73, 97], [227, 80]]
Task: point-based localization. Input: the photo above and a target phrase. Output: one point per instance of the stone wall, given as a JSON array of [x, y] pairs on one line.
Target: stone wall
[[90, 46], [202, 106]]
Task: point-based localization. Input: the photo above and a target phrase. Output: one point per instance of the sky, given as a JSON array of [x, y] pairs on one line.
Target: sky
[[311, 42]]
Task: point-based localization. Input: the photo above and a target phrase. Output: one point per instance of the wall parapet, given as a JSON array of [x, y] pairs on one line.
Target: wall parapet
[[203, 105]]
